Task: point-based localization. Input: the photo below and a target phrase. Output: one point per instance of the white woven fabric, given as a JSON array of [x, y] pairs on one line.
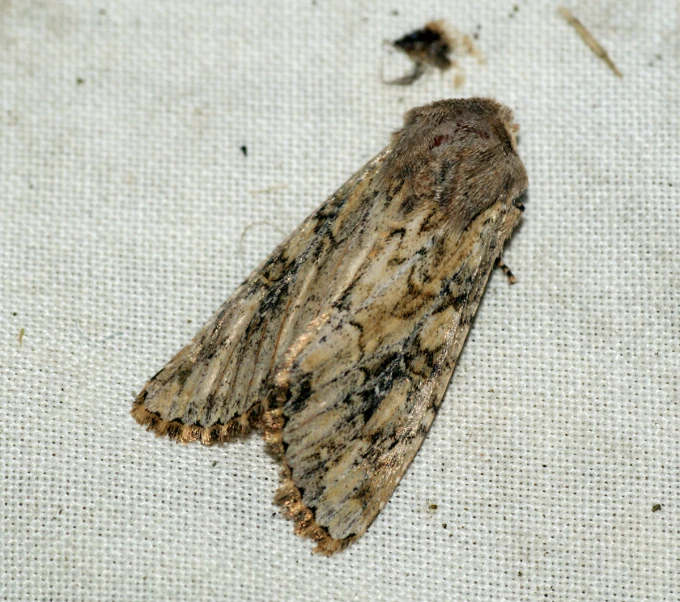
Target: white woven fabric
[[128, 213]]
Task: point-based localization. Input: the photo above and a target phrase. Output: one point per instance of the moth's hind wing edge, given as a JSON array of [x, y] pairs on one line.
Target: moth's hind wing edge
[[176, 430], [289, 499]]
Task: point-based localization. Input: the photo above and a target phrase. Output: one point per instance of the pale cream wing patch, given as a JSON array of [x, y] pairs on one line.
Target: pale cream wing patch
[[359, 390], [214, 388]]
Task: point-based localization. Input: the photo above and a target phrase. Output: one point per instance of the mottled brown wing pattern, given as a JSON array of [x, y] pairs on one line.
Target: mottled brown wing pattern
[[341, 346], [361, 390], [214, 388]]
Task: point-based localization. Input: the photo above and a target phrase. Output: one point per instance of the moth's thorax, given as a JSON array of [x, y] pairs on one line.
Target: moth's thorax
[[458, 155]]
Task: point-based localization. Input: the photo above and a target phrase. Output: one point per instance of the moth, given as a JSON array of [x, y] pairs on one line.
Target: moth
[[340, 346]]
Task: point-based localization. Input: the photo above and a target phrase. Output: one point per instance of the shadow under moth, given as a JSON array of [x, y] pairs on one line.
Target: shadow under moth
[[340, 346]]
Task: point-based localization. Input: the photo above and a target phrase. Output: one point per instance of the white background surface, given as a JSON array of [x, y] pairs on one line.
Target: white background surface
[[128, 214]]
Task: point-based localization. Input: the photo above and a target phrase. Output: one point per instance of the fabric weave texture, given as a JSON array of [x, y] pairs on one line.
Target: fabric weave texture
[[129, 213]]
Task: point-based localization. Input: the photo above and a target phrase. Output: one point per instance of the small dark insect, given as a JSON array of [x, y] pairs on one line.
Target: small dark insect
[[430, 45]]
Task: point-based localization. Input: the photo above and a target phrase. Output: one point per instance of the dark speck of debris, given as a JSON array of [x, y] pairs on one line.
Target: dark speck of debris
[[80, 81], [395, 13], [244, 150], [656, 507], [427, 46], [433, 506]]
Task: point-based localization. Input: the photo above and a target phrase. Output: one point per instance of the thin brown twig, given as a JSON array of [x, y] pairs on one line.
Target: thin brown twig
[[588, 38]]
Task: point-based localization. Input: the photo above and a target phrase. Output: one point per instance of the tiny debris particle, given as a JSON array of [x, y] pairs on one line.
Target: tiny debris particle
[[270, 189], [588, 38], [22, 332], [79, 81], [656, 507], [244, 150], [431, 46]]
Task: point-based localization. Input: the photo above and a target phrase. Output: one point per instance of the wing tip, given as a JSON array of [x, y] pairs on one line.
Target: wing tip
[[288, 495], [293, 508], [176, 430]]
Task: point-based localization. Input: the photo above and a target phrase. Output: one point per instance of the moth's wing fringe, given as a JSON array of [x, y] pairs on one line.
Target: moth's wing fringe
[[289, 497], [186, 433]]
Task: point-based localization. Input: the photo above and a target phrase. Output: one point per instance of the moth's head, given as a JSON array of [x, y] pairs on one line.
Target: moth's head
[[459, 153]]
